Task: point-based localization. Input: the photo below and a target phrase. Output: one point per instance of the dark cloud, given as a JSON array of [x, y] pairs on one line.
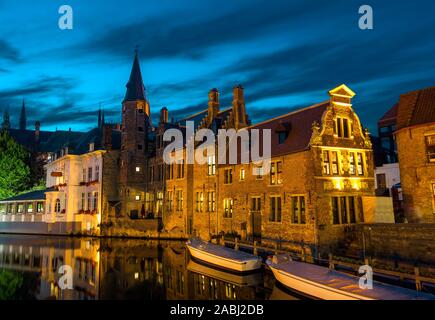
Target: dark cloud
[[8, 52], [178, 35]]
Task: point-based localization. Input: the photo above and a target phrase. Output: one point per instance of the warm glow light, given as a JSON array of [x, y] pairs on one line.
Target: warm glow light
[[138, 197], [136, 275], [356, 185], [337, 184], [137, 169]]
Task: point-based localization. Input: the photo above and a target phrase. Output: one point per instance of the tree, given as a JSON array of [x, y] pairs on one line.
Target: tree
[[14, 168], [6, 124]]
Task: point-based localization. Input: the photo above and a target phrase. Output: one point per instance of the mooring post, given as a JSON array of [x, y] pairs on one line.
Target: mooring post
[[236, 245], [417, 279], [255, 248], [331, 263]]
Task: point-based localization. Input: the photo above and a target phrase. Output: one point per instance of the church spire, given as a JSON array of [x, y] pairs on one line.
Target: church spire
[[135, 88], [99, 117], [23, 120]]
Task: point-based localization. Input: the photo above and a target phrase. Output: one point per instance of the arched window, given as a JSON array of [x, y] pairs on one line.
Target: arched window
[[57, 206]]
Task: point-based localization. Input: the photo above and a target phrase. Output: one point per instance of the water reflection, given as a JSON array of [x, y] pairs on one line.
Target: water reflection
[[118, 269]]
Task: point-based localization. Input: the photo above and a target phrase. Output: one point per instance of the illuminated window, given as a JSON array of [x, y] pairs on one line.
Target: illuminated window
[[159, 202], [179, 200], [298, 209], [228, 207], [352, 163], [211, 165], [275, 209], [360, 164], [275, 173], [137, 197], [199, 201], [137, 169], [326, 167], [342, 128], [169, 200], [228, 176], [430, 147], [211, 201], [259, 173], [242, 174]]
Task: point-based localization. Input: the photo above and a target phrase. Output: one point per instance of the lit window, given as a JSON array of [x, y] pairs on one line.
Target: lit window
[[242, 174], [211, 201], [228, 207], [430, 147], [137, 169], [228, 176], [275, 173], [211, 165], [342, 128], [137, 197]]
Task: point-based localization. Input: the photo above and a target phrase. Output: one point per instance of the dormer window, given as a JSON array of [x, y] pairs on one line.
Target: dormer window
[[342, 127], [283, 131], [91, 147]]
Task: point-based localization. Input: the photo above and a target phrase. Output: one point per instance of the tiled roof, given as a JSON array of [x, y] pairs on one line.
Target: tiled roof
[[389, 118], [416, 107], [299, 124], [29, 196]]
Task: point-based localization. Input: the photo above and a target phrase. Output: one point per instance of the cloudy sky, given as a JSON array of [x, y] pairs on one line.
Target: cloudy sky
[[286, 54]]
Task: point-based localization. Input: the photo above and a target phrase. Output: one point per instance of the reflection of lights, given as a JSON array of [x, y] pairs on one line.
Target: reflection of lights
[[136, 275]]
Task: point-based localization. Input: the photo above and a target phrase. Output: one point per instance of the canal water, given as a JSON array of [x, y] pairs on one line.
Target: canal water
[[119, 269]]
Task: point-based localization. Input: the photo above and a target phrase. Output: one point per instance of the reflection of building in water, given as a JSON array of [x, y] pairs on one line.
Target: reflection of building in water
[[120, 269], [131, 269], [42, 259]]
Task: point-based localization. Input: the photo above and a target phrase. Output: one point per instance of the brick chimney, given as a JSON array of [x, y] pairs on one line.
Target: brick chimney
[[213, 104], [164, 115], [107, 137], [239, 109]]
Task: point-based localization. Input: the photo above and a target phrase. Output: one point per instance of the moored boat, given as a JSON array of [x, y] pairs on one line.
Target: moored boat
[[223, 257], [322, 283]]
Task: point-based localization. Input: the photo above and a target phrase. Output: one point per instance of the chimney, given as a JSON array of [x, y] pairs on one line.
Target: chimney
[[239, 109], [37, 131], [213, 104], [107, 137], [164, 115]]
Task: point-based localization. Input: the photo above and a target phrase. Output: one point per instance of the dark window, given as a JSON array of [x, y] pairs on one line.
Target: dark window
[[139, 147], [275, 209], [282, 136]]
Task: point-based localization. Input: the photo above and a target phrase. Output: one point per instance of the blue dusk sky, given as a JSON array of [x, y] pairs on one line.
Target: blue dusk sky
[[286, 54]]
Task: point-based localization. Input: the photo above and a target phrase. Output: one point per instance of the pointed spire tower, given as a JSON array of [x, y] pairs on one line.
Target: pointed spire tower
[[135, 125], [23, 120]]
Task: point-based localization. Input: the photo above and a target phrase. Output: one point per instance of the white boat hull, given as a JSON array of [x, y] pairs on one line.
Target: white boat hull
[[225, 263], [313, 289]]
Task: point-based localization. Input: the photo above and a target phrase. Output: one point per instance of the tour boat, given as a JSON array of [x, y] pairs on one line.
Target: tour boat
[[223, 257], [237, 279], [322, 283]]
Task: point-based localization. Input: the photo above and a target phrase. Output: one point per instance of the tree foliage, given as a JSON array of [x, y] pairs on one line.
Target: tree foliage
[[14, 167]]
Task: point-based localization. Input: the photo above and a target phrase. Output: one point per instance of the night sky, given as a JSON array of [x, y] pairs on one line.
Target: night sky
[[286, 54]]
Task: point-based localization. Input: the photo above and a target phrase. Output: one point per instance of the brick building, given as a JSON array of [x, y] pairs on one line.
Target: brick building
[[415, 137]]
